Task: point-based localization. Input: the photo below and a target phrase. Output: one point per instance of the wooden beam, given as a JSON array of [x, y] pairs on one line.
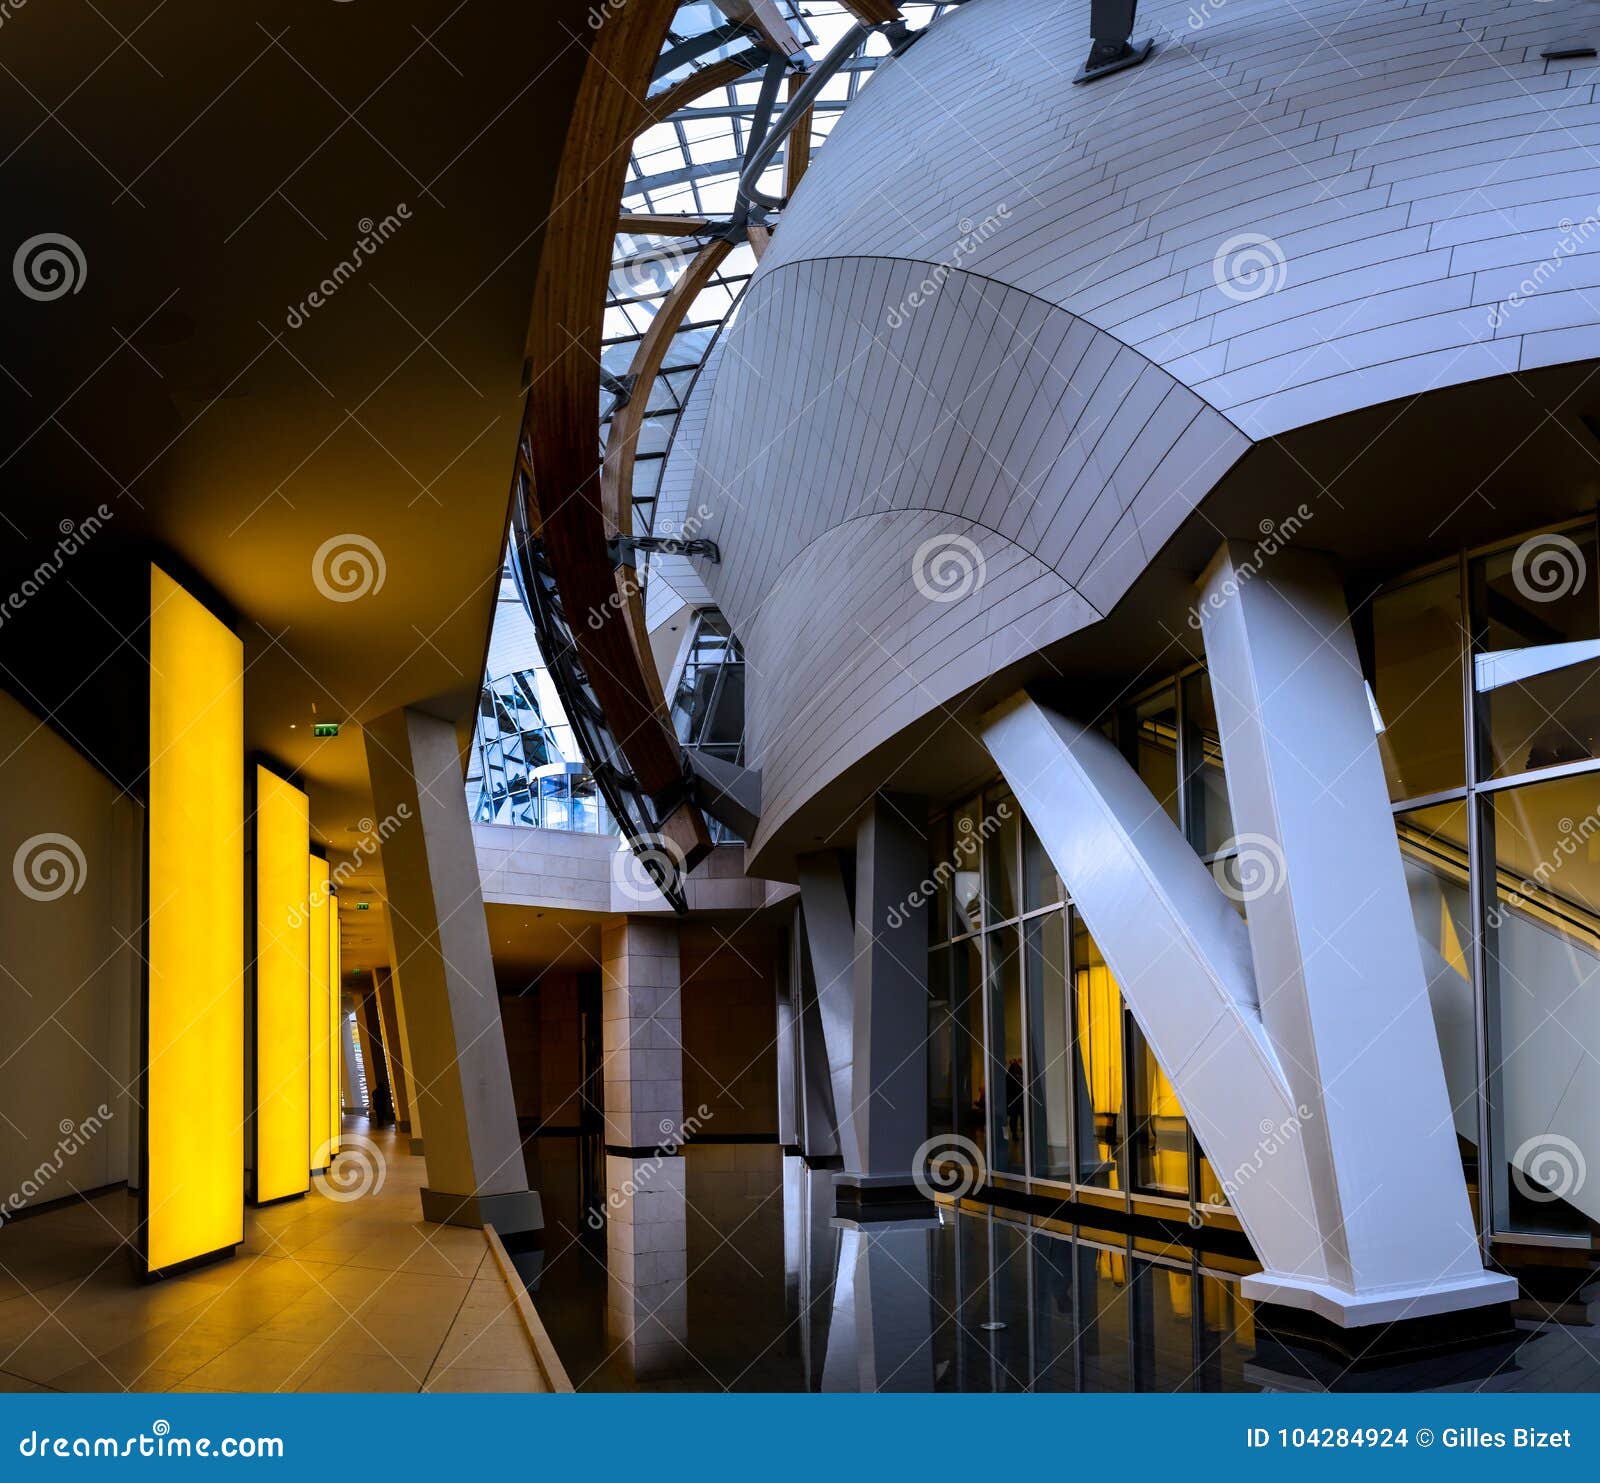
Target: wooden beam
[[873, 12], [558, 432], [643, 224], [797, 147], [765, 17]]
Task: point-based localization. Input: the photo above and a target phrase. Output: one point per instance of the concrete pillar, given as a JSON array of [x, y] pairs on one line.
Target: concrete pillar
[[641, 1033], [383, 987], [350, 1098], [451, 1007], [827, 1030], [647, 1261], [1337, 963], [889, 976]]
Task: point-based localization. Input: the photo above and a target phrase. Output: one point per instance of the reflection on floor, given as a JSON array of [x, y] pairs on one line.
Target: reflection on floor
[[752, 1283], [327, 1294]]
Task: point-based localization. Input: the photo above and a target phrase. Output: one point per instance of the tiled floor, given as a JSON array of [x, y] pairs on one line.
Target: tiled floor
[[325, 1294]]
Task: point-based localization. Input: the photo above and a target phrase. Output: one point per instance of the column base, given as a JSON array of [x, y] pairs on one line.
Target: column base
[[416, 1148], [1345, 1310], [512, 1213], [873, 1197]]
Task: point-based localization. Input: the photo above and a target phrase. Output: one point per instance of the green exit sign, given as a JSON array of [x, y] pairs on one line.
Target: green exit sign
[[363, 906], [325, 728]]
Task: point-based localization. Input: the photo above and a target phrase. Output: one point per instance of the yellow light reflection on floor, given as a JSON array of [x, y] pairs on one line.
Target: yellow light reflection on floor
[[194, 1083], [282, 1023], [320, 1059]]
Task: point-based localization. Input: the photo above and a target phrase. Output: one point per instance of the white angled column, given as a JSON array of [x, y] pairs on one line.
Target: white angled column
[[1337, 963]]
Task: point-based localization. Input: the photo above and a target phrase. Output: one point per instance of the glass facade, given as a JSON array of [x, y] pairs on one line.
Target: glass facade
[[1485, 677]]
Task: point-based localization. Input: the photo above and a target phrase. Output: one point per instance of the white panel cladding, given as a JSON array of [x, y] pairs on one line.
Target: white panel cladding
[[1393, 152], [907, 501]]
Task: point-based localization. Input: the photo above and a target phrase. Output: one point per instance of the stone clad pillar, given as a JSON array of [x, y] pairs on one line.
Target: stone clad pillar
[[476, 1174]]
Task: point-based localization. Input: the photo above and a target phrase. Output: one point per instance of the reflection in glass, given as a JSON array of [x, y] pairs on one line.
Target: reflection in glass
[[966, 849], [1158, 1141], [1041, 885], [1103, 1318], [966, 1000], [1433, 853], [1049, 1051], [1005, 1067], [1416, 685], [941, 1042], [1542, 941], [1210, 817], [1097, 1007], [1163, 1337], [1155, 747], [1000, 857], [1536, 653]]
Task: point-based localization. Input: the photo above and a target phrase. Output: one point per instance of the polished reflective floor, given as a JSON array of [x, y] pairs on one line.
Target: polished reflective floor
[[735, 1274]]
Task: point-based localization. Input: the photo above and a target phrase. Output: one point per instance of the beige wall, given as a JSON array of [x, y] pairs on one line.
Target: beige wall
[[730, 1062], [68, 986]]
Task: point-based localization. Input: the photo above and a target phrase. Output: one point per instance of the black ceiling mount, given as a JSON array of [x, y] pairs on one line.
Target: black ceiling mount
[[1110, 26]]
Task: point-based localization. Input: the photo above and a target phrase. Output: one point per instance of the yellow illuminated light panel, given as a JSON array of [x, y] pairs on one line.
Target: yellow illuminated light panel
[[194, 1081], [283, 1026], [321, 1063], [335, 1019]]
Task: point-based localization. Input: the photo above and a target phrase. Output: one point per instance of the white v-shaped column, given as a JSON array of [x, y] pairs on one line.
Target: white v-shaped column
[[1302, 1047]]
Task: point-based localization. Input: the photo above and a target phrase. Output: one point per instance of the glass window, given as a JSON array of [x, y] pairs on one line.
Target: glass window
[[1050, 1049], [1005, 1069], [1536, 654], [1416, 685], [1055, 1324], [1158, 1142], [1041, 884], [1163, 1334], [1154, 747], [1097, 1006], [1001, 860], [941, 1112], [1103, 1312], [1433, 854], [939, 869], [966, 852], [1542, 941], [966, 1006], [1210, 818]]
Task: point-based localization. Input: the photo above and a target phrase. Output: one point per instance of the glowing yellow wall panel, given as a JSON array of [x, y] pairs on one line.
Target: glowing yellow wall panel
[[282, 1024], [320, 1060], [335, 1023], [194, 1079]]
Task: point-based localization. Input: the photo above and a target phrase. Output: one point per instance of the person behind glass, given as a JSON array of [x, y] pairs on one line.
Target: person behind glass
[[1014, 1099]]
